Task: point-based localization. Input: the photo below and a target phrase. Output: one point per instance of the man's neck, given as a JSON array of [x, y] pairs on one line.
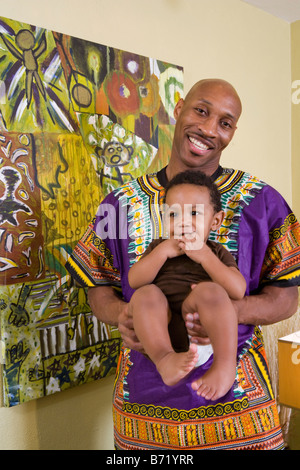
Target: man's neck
[[173, 169]]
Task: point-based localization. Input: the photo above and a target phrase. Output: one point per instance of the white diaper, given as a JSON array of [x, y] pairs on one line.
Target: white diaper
[[204, 353]]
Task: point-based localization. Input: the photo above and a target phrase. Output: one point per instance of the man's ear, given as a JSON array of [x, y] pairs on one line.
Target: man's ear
[[218, 219], [178, 108]]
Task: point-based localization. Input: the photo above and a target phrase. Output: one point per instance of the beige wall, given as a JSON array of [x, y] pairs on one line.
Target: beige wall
[[210, 38], [77, 419]]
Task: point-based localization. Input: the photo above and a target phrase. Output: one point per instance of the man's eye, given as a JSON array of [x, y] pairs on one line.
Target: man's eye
[[226, 124]]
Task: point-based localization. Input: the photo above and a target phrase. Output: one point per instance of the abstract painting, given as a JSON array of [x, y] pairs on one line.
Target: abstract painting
[[77, 120]]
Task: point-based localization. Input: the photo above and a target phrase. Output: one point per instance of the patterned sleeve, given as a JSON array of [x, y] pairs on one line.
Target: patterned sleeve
[[269, 230], [91, 263], [282, 258]]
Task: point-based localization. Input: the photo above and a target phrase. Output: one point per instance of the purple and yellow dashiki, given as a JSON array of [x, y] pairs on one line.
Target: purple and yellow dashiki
[[263, 235]]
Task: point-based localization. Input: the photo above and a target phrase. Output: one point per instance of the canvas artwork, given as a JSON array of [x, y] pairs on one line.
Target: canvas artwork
[[77, 119]]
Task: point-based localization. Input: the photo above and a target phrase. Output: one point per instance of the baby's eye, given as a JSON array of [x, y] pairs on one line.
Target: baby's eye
[[196, 213], [173, 214]]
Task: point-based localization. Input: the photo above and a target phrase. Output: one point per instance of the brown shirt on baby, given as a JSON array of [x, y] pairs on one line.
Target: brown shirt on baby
[[175, 279]]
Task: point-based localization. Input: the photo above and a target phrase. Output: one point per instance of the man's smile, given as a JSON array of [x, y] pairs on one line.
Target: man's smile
[[199, 145]]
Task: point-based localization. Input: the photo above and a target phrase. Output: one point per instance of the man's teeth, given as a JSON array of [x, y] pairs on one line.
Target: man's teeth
[[198, 144]]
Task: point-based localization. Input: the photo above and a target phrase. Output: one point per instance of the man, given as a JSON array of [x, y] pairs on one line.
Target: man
[[261, 232]]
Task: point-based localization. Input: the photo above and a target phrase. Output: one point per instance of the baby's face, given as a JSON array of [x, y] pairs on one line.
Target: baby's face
[[189, 212]]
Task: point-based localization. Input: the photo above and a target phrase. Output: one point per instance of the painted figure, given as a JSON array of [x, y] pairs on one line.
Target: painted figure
[[25, 41]]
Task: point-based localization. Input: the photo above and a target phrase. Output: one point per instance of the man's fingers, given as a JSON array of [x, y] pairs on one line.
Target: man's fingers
[[127, 332], [195, 330], [200, 340]]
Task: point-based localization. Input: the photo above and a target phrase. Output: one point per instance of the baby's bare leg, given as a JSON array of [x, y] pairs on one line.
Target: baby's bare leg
[[218, 317], [150, 311]]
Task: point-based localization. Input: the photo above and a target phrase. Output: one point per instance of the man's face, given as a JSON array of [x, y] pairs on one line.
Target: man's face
[[206, 122]]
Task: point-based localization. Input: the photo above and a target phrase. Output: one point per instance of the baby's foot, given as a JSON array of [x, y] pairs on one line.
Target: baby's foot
[[216, 382], [174, 366]]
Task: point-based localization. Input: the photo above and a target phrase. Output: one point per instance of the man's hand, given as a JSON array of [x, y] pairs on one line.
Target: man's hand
[[195, 331], [126, 330]]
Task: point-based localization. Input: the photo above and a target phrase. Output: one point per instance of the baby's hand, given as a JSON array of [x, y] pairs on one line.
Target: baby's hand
[[192, 241], [171, 247], [193, 246]]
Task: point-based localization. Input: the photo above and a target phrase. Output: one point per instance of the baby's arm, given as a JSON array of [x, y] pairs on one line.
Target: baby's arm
[[146, 269], [228, 277]]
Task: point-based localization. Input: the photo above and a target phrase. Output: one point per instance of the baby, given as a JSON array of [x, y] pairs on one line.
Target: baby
[[187, 273]]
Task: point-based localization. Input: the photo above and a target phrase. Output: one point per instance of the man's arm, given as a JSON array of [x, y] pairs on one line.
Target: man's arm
[[273, 304], [110, 309], [105, 304]]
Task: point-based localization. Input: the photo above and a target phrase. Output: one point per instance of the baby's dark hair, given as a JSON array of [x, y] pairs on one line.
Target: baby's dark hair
[[198, 179]]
